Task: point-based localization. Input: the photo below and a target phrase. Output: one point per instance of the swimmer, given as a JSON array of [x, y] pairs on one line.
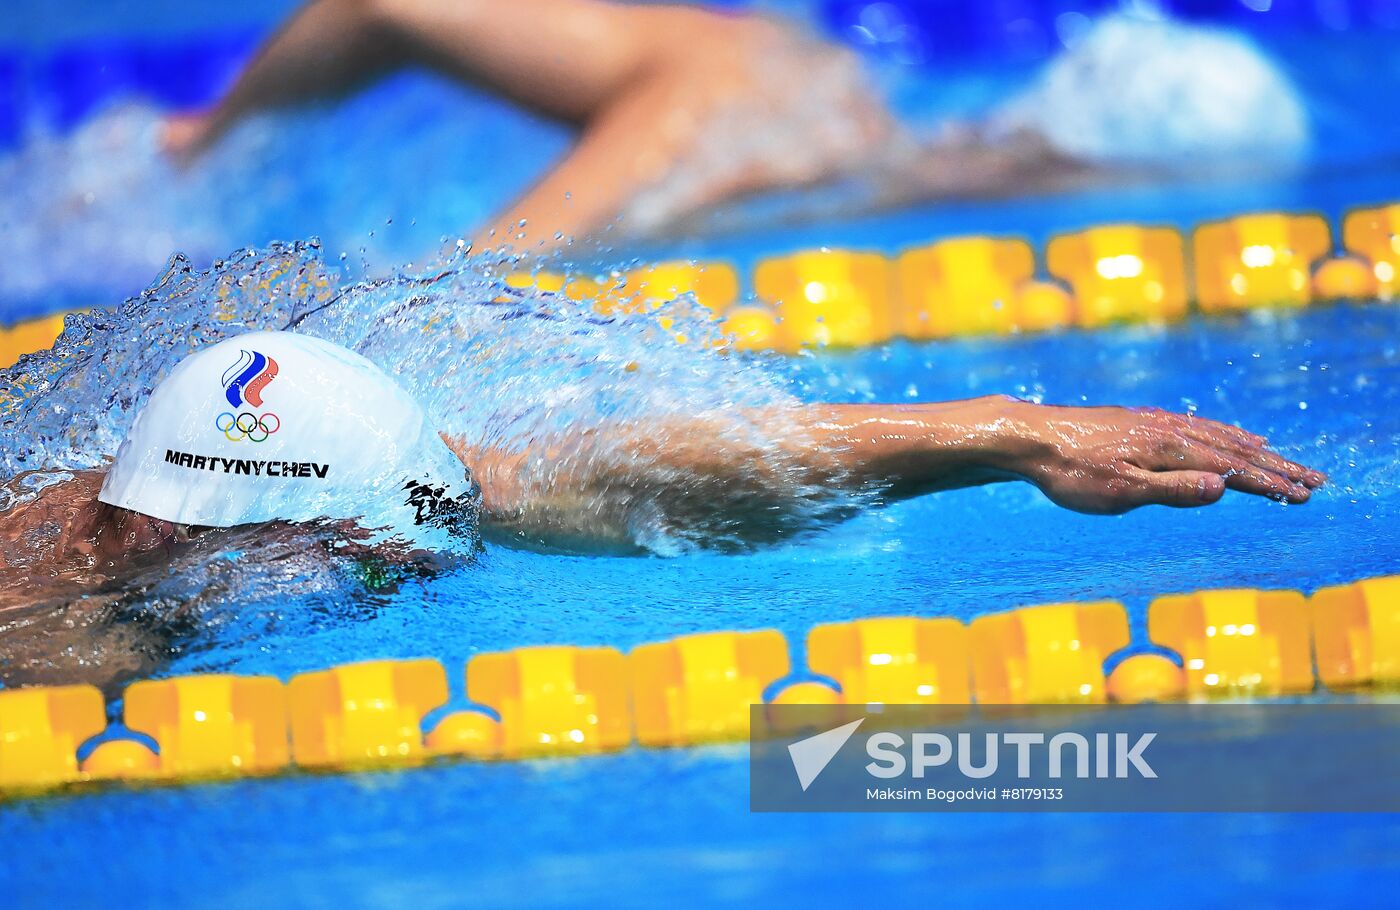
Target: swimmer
[[681, 109], [266, 432]]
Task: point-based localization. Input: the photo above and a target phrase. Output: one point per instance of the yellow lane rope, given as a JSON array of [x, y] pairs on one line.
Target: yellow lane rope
[[564, 700]]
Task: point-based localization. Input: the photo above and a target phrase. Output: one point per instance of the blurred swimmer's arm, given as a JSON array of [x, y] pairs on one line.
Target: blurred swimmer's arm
[[607, 489], [563, 58], [326, 48], [648, 84]]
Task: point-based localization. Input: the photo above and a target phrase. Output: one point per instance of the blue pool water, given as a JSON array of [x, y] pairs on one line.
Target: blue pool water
[[645, 828]]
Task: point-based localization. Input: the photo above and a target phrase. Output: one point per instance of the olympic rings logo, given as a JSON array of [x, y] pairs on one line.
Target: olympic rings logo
[[247, 425]]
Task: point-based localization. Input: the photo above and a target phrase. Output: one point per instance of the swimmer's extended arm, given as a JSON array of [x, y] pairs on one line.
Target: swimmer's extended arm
[[606, 489]]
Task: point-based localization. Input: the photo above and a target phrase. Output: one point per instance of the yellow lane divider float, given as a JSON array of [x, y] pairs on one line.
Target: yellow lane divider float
[[554, 700], [1237, 641], [963, 286], [698, 688], [1255, 259], [1372, 236], [1047, 654], [28, 337], [538, 702], [1122, 273]]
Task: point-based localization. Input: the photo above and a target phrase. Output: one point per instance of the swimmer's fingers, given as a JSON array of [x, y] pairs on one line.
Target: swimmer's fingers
[[1238, 442], [1295, 472], [1256, 455], [1211, 430], [1236, 472], [1249, 446], [1272, 461]]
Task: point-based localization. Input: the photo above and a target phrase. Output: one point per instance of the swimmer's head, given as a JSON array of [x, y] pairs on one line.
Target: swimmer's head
[[278, 426], [1162, 94]]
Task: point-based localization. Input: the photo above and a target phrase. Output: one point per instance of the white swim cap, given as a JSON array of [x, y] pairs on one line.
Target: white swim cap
[[274, 425]]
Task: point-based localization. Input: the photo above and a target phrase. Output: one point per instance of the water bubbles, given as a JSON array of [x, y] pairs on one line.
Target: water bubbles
[[497, 366]]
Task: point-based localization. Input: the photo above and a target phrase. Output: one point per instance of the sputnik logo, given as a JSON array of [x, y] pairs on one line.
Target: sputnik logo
[[810, 756]]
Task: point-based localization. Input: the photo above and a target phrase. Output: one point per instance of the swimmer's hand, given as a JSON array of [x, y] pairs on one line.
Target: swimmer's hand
[[1111, 460]]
